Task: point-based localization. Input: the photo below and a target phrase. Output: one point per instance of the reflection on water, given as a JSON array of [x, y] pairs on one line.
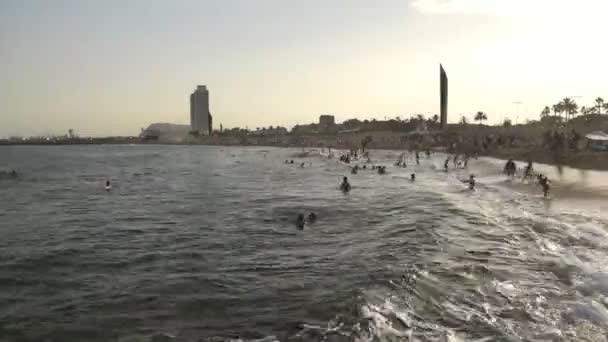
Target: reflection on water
[[200, 243]]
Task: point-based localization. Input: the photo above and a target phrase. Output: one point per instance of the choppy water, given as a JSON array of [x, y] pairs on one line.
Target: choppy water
[[199, 243]]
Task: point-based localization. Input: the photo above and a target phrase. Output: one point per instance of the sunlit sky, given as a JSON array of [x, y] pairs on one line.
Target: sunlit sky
[[110, 67]]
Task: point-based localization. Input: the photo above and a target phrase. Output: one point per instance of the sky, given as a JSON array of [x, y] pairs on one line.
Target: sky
[[112, 67]]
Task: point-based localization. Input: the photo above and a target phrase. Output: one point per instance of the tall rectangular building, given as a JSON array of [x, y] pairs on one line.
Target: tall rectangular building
[[200, 117], [443, 93]]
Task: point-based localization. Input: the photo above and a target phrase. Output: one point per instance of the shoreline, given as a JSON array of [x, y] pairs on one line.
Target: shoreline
[[597, 161]]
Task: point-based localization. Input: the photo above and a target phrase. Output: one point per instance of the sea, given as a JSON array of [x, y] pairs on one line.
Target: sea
[[199, 243]]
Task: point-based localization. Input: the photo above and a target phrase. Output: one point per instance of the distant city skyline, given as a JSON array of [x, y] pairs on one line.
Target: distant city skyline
[[112, 67]]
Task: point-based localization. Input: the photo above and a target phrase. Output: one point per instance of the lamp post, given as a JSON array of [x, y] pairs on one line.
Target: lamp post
[[517, 104]]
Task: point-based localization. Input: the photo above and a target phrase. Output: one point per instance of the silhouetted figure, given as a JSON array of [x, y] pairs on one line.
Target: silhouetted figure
[[300, 222], [413, 177], [446, 164], [291, 162], [108, 185], [510, 168], [417, 158], [312, 217], [302, 165], [364, 166], [545, 184], [381, 170], [471, 182], [528, 170], [345, 186]]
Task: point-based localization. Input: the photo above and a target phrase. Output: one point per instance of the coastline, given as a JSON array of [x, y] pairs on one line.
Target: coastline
[[575, 159]]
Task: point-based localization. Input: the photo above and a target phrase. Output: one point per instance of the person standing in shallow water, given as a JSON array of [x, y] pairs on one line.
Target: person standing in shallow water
[[345, 186]]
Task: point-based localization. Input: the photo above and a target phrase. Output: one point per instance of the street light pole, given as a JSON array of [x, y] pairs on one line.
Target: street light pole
[[517, 103]]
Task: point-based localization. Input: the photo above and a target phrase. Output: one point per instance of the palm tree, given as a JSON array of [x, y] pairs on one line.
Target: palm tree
[[480, 116], [584, 110], [546, 112], [599, 103], [557, 109], [569, 107]]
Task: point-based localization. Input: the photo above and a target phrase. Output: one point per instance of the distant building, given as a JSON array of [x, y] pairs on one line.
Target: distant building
[[327, 123], [200, 117]]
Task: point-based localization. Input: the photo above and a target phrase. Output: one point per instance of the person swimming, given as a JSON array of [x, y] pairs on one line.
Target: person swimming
[[108, 185], [312, 217], [302, 165], [291, 162], [345, 186], [413, 177], [300, 222], [381, 170]]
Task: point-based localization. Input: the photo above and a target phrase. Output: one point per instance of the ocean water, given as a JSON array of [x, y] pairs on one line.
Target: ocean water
[[198, 243]]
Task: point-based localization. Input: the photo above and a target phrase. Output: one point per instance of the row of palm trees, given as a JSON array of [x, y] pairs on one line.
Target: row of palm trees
[[570, 108]]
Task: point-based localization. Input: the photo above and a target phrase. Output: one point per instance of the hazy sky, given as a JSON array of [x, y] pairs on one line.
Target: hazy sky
[[109, 67]]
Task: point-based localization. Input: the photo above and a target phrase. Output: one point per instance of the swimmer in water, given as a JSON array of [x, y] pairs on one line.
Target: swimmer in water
[[108, 186], [345, 186], [312, 217], [302, 165], [413, 177], [300, 222]]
